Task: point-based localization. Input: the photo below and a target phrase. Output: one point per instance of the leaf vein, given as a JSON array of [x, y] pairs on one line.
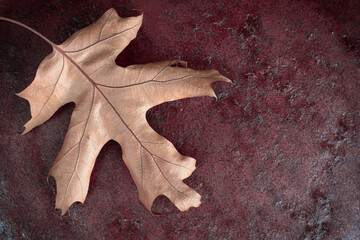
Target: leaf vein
[[102, 28], [164, 176], [149, 81], [79, 149], [105, 39], [171, 162], [62, 69]]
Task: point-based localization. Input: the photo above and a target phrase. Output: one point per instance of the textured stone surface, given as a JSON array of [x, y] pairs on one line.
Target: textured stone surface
[[277, 154]]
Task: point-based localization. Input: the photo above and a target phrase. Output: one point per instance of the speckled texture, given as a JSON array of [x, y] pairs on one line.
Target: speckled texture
[[277, 154]]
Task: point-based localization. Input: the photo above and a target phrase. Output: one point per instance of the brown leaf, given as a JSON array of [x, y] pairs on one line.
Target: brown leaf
[[111, 103]]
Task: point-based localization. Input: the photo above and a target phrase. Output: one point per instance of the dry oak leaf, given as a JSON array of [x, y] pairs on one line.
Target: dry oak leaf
[[111, 104]]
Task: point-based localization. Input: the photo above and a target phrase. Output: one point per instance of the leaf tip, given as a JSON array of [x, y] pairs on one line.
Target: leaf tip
[[62, 213], [228, 80], [62, 209], [27, 127], [20, 94], [223, 78], [213, 94], [23, 130], [197, 201]]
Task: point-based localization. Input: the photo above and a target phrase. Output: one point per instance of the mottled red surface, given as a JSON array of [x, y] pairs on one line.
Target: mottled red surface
[[277, 154]]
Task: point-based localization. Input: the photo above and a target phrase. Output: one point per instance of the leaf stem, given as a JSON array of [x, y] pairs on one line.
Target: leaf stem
[[28, 28]]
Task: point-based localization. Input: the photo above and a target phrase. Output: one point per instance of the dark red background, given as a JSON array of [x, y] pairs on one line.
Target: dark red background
[[277, 154]]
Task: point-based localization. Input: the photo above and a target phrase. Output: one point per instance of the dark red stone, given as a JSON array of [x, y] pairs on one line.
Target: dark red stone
[[277, 154]]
